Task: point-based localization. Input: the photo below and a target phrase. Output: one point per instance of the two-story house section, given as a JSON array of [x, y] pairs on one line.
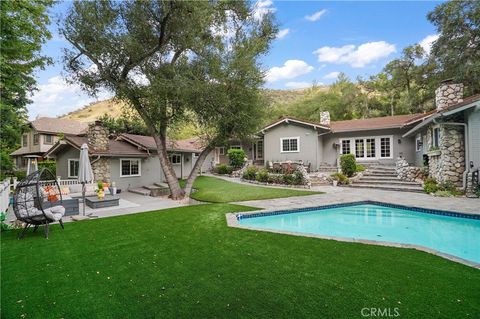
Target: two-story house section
[[43, 134]]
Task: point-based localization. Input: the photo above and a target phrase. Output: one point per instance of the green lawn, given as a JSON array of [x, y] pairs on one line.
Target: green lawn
[[186, 263], [216, 190]]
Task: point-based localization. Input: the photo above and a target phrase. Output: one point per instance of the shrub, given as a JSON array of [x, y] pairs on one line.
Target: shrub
[[288, 179], [275, 179], [348, 164], [340, 178], [236, 157], [223, 169], [430, 185], [359, 168], [262, 175], [250, 173], [443, 193], [298, 178], [447, 186], [20, 175]]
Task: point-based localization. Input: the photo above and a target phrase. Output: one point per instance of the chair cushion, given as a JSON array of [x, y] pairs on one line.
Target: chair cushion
[[55, 213], [77, 188]]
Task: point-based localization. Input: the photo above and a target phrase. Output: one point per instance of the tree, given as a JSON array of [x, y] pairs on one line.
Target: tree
[[155, 55], [457, 49], [23, 31]]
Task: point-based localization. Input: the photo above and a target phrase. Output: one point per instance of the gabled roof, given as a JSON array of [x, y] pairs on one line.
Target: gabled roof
[[193, 144], [288, 119], [375, 123], [467, 103], [56, 126]]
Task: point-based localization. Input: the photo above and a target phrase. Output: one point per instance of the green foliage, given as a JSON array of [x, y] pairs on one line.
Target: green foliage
[[250, 172], [20, 175], [430, 185], [125, 124], [477, 191], [359, 168], [236, 157], [100, 185], [298, 178], [50, 165], [340, 178], [3, 226], [348, 164], [23, 29], [262, 176], [288, 179], [223, 169]]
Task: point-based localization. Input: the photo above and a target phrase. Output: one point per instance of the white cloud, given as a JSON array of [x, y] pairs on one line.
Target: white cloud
[[332, 75], [317, 15], [283, 33], [356, 57], [57, 97], [298, 85], [290, 69], [263, 7], [427, 42]]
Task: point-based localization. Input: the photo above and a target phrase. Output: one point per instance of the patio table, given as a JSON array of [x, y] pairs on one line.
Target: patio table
[[107, 201]]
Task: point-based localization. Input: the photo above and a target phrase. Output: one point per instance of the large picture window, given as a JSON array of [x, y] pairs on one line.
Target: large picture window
[[385, 147], [130, 167], [359, 148], [289, 144], [73, 168]]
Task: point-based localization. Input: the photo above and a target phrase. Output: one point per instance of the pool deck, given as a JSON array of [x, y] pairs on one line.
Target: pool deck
[[336, 195]]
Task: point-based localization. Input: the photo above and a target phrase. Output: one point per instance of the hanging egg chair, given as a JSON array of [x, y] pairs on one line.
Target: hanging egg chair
[[37, 200]]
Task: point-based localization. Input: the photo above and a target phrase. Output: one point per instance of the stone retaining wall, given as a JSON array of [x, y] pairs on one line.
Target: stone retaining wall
[[409, 173]]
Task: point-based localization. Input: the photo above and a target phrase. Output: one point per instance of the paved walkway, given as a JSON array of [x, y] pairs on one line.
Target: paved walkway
[[336, 195]]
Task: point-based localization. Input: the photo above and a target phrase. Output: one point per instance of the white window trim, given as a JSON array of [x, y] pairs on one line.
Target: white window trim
[[418, 139], [139, 167], [45, 139], [221, 150], [378, 147], [176, 154], [290, 138], [260, 155], [68, 168]]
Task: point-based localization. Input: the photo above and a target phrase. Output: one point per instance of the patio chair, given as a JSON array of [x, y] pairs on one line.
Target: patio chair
[[30, 200]]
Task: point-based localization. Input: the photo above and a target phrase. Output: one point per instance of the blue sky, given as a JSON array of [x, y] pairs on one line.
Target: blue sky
[[317, 40]]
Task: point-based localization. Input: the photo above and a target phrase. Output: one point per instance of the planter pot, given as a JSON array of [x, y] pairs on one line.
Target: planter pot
[[335, 183]]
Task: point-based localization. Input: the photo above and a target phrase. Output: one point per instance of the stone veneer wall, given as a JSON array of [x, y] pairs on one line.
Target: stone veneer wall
[[448, 94], [101, 169], [409, 173], [448, 163], [97, 136]]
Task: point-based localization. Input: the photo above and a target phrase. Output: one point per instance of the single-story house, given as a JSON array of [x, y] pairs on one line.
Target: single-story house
[[43, 134], [448, 140], [128, 160]]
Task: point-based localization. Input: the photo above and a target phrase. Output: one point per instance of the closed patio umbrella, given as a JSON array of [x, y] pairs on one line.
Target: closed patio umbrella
[[85, 172]]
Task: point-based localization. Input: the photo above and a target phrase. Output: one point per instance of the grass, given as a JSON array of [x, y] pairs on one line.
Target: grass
[[216, 190], [186, 263]]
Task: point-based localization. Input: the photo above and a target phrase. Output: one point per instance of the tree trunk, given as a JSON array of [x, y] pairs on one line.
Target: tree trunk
[[196, 169], [172, 181]]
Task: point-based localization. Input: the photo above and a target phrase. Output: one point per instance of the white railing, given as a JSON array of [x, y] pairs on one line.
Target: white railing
[[4, 195]]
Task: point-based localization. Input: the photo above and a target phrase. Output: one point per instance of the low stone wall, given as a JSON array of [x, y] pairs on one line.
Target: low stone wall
[[409, 173], [275, 184]]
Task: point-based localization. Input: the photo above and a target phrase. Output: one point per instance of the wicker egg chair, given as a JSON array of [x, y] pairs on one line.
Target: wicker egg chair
[[37, 205]]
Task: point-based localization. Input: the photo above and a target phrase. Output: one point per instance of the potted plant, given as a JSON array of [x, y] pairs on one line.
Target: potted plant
[[100, 192]]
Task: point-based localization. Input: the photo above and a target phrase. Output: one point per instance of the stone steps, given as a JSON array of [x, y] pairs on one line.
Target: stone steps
[[385, 178], [386, 182], [140, 191]]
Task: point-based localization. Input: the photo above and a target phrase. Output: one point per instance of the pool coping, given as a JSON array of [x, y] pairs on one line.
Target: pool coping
[[233, 221]]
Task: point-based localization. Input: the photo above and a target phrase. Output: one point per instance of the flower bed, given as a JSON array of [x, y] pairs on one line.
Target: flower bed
[[295, 178]]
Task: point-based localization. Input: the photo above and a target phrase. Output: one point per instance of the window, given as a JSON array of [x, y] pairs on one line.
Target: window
[[259, 149], [235, 147], [175, 159], [418, 143], [359, 148], [48, 139], [385, 147], [73, 168], [436, 137], [370, 147], [129, 167], [35, 139], [345, 146], [289, 144], [25, 140]]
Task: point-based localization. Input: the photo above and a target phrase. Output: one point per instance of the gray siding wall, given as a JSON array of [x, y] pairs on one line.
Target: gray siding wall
[[405, 149], [474, 136], [419, 154], [62, 161], [309, 144], [151, 172]]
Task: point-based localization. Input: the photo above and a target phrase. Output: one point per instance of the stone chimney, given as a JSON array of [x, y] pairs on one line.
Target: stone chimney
[[448, 93], [325, 118], [97, 136]]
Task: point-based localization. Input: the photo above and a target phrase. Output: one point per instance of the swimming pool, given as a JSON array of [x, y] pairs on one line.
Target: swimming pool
[[456, 235]]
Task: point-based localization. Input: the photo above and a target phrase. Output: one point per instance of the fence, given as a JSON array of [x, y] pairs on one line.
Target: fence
[[4, 195]]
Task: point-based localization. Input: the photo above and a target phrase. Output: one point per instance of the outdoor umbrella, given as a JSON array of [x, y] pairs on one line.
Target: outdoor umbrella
[[85, 172]]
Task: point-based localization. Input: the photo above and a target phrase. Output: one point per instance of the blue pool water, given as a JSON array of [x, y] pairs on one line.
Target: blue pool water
[[451, 235]]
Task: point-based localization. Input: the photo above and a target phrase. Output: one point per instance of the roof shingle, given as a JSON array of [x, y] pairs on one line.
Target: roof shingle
[[55, 125]]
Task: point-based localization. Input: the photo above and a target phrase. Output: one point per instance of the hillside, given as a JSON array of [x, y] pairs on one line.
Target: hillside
[[113, 107]]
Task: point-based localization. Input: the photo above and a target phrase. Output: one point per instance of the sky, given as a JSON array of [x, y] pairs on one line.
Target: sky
[[316, 41]]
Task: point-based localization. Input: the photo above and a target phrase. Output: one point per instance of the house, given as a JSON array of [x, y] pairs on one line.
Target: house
[[448, 141], [43, 134], [129, 160], [372, 141]]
